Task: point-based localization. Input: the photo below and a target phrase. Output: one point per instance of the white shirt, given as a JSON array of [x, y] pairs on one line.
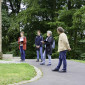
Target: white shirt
[[21, 40]]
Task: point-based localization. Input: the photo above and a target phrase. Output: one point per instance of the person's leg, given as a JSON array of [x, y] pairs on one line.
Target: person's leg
[[21, 51], [64, 61], [23, 58], [49, 57], [37, 55], [44, 57], [59, 63], [41, 53]]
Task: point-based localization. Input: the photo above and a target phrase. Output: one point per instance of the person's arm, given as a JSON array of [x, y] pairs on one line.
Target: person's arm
[[49, 41], [25, 40], [41, 40], [65, 41], [35, 41], [19, 40]]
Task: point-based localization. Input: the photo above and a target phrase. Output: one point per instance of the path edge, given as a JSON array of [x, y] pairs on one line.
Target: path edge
[[39, 74]]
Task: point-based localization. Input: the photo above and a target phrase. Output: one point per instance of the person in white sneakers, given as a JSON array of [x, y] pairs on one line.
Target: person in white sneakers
[[48, 48]]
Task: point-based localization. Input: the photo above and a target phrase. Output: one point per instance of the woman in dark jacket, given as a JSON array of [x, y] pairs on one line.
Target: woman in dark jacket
[[48, 48]]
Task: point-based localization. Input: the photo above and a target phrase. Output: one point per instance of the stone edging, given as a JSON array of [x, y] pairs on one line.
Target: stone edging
[[38, 76]]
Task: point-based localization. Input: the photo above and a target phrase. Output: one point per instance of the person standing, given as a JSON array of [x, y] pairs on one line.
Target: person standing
[[22, 45], [38, 44], [63, 47], [48, 48]]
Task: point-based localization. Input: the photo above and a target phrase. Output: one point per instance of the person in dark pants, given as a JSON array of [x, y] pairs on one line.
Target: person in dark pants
[[22, 45], [39, 47], [63, 47], [48, 48]]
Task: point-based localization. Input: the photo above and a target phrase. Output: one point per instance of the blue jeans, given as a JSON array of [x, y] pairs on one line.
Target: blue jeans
[[44, 57], [62, 58], [22, 53], [41, 53]]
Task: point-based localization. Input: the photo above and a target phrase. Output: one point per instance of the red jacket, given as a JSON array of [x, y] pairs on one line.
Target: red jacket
[[24, 43]]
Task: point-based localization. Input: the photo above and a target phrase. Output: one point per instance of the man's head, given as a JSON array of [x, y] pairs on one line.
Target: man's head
[[38, 32], [60, 30]]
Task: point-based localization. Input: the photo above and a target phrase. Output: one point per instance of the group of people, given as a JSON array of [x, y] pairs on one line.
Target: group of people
[[45, 47]]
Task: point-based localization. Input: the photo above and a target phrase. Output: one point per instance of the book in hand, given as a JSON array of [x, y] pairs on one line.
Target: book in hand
[[21, 40], [45, 41]]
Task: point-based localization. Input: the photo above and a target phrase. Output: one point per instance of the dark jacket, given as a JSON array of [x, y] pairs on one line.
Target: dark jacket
[[38, 40], [48, 43]]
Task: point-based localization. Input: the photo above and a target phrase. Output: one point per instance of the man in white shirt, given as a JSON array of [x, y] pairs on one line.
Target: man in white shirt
[[63, 47]]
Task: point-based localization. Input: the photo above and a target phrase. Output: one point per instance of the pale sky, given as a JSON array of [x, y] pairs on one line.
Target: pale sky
[[23, 7]]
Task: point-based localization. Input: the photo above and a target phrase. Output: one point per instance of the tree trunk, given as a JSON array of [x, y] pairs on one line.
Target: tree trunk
[[69, 4], [0, 32]]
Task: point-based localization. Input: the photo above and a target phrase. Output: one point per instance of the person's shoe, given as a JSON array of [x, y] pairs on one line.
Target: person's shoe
[[41, 60], [63, 71], [22, 60], [55, 69], [37, 60], [42, 63], [48, 64]]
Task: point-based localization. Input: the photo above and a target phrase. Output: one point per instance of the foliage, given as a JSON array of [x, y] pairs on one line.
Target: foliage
[[45, 15], [14, 73], [81, 61]]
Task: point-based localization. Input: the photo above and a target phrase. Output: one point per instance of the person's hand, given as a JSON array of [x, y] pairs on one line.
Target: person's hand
[[37, 46], [21, 42], [69, 49], [42, 42]]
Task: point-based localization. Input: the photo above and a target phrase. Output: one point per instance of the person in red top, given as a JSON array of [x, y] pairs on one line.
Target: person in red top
[[22, 45]]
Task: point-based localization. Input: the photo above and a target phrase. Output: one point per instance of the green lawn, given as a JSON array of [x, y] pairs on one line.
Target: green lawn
[[81, 61], [11, 73]]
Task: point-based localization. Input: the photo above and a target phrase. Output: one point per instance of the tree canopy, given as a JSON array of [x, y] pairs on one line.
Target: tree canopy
[[43, 15]]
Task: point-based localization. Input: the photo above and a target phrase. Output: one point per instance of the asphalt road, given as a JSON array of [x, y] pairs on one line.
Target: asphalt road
[[75, 74]]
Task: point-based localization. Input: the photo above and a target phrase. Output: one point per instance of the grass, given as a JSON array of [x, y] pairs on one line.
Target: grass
[[6, 60], [14, 73], [81, 61]]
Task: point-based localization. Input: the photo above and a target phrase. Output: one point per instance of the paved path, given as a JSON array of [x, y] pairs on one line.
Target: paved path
[[8, 62], [74, 76]]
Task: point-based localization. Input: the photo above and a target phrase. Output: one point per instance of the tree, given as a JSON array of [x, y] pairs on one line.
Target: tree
[[45, 15], [13, 5]]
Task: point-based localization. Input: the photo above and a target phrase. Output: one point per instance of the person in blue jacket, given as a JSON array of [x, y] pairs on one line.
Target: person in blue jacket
[[39, 46]]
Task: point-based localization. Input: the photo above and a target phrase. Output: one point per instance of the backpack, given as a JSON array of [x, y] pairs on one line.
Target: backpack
[[53, 44]]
